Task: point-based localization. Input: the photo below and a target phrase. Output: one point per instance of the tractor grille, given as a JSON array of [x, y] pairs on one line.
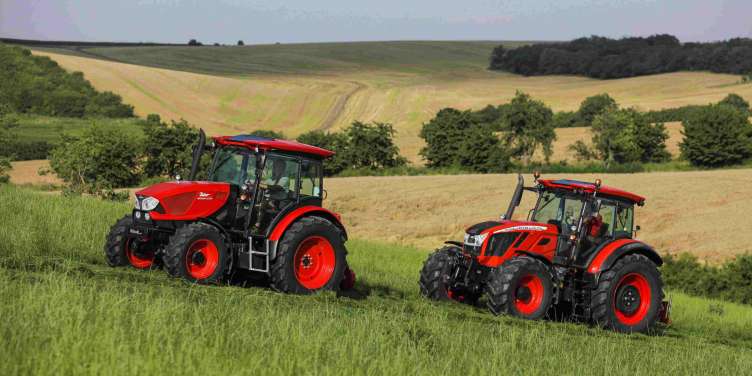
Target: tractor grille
[[499, 243], [472, 250]]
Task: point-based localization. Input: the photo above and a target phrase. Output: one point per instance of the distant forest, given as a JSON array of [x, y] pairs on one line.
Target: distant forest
[[601, 57]]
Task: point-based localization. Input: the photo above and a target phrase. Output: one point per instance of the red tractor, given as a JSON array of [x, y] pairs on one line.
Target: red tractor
[[574, 256], [260, 211]]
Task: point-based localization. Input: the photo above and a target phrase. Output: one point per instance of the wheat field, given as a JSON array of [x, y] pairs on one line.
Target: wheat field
[[296, 99], [705, 213]]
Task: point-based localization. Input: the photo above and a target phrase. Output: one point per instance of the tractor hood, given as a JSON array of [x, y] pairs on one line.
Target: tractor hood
[[508, 226], [185, 200]]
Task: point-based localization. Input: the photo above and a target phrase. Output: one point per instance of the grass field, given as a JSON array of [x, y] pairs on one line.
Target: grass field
[[296, 88], [51, 129], [65, 312], [705, 213]]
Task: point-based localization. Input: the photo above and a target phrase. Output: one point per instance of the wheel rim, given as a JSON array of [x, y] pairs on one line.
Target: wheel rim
[[202, 259], [139, 260], [631, 299], [314, 262], [528, 295]]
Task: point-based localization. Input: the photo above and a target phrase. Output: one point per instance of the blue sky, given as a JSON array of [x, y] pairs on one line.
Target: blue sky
[[254, 21]]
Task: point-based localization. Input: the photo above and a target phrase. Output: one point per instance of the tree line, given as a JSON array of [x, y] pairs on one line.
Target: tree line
[[601, 57]]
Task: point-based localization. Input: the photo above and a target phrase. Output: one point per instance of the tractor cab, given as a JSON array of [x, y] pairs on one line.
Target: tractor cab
[[573, 254]]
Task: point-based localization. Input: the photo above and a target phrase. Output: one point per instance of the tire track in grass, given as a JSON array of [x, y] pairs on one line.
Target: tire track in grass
[[339, 106]]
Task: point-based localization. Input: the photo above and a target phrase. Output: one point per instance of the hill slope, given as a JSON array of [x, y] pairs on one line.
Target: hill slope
[[64, 312], [296, 88]]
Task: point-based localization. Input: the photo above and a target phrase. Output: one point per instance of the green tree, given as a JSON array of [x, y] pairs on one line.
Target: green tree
[[715, 136], [168, 148], [527, 125], [593, 106], [5, 166], [101, 157], [482, 151], [443, 136], [372, 146], [624, 136], [737, 102], [336, 142]]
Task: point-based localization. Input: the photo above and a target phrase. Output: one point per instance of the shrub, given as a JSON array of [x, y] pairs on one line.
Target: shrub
[[168, 148], [25, 150], [336, 142], [625, 136], [737, 102], [731, 281], [565, 119], [715, 136], [372, 146], [5, 166], [443, 136], [482, 151], [102, 157]]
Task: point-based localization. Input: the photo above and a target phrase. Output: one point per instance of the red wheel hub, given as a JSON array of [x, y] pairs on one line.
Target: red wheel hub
[[202, 259], [529, 294], [632, 299], [314, 262], [137, 259]]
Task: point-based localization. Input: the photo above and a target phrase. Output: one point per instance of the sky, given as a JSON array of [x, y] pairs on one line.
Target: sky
[[255, 21]]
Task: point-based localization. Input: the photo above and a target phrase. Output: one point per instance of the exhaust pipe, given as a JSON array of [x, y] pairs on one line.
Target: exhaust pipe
[[516, 198], [198, 150]]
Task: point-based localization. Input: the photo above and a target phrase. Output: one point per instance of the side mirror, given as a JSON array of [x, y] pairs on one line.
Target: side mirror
[[324, 194]]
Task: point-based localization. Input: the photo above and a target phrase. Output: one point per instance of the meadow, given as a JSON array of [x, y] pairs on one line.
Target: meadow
[[299, 87], [65, 312]]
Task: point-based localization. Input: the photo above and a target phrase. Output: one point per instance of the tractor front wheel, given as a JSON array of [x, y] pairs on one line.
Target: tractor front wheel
[[310, 257], [521, 287], [120, 250], [628, 296], [436, 276], [198, 253]]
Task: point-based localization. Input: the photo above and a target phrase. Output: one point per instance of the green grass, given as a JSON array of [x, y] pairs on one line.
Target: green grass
[[64, 312], [51, 129], [307, 58]]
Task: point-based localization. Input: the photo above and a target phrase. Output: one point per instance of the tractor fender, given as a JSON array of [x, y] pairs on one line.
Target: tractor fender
[[536, 256], [608, 254], [305, 211]]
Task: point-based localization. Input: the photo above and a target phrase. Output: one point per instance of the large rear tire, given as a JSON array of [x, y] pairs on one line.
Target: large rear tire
[[197, 252], [120, 250], [311, 256], [521, 287], [628, 296]]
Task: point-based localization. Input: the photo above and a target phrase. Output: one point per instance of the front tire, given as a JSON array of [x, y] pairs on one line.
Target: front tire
[[311, 256], [436, 275], [120, 250], [521, 287], [628, 296], [198, 253]]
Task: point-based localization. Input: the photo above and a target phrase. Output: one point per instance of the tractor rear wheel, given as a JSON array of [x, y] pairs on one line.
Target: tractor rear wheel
[[311, 256], [436, 276], [119, 250], [521, 287], [198, 253], [628, 296]]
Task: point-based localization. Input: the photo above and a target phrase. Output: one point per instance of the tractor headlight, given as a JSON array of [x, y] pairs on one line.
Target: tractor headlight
[[149, 203], [137, 204], [475, 240]]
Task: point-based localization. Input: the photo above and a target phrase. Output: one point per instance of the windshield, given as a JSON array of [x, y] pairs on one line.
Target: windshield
[[233, 165], [557, 209]]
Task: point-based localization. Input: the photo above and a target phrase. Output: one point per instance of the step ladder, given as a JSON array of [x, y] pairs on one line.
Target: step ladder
[[251, 252]]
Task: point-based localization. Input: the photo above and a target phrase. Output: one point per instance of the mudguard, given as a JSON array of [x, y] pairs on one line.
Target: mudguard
[[282, 225], [607, 256]]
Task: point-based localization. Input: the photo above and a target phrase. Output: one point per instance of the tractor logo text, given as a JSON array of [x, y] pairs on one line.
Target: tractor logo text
[[522, 228], [205, 196]]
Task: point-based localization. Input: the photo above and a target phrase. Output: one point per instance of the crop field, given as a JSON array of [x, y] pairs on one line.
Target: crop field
[[700, 212], [297, 88], [65, 312]]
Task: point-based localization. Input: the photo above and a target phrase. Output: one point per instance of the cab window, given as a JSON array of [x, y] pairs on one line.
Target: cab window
[[232, 166], [559, 210], [281, 173], [310, 178], [624, 219]]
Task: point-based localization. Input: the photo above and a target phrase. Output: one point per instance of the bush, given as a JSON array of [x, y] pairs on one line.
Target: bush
[[25, 150], [736, 102], [594, 106], [371, 146], [716, 135], [168, 148], [5, 166], [443, 136], [482, 151], [102, 157], [731, 281], [625, 136]]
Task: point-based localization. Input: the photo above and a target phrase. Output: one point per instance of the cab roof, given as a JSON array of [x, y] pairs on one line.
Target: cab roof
[[588, 187], [266, 143]]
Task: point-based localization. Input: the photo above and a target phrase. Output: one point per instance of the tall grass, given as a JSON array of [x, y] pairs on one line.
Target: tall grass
[[64, 312]]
